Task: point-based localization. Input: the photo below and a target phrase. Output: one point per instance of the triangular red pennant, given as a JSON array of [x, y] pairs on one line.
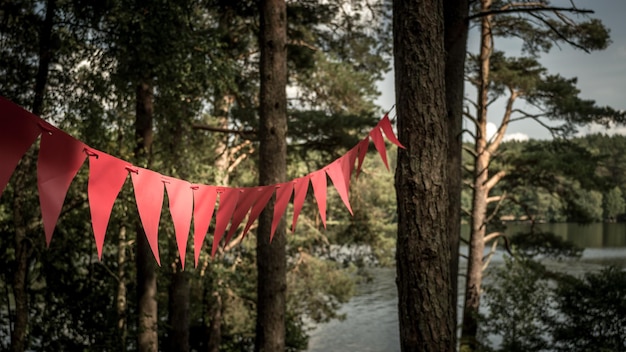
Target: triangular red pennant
[[204, 198], [107, 175], [60, 158], [19, 131], [228, 202], [336, 173], [264, 195], [148, 186], [247, 197], [318, 180], [379, 143], [300, 187], [385, 124], [283, 195], [180, 196], [347, 164], [363, 146]]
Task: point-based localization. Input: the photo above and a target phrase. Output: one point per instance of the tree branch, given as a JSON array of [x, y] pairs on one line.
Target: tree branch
[[242, 133], [495, 179], [529, 10], [564, 38]]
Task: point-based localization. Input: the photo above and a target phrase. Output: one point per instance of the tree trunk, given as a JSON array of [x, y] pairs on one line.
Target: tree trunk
[[147, 336], [478, 226], [213, 325], [426, 310], [456, 28], [271, 256], [179, 312], [23, 247], [120, 306]]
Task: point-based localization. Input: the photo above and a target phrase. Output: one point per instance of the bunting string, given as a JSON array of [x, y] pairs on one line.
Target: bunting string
[[61, 156]]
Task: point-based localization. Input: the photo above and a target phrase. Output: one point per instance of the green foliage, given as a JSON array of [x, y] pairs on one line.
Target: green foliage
[[519, 301], [593, 312], [533, 309], [614, 204]]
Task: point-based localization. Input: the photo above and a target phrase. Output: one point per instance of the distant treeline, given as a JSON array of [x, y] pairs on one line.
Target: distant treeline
[[582, 179]]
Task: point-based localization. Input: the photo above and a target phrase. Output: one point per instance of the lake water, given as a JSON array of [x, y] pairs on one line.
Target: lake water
[[371, 323]]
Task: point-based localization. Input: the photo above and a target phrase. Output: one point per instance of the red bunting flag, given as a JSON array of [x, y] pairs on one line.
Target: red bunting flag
[[247, 197], [300, 188], [348, 164], [60, 158], [107, 175], [363, 146], [204, 198], [337, 174], [149, 194], [379, 143], [318, 180], [228, 201], [385, 124], [19, 131], [264, 194], [180, 197], [283, 194]]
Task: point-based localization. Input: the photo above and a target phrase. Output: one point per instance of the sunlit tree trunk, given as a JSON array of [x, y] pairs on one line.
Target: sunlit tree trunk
[[478, 224], [271, 257], [423, 252]]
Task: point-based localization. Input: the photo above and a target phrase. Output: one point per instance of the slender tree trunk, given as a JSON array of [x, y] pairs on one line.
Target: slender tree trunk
[[456, 28], [271, 256], [213, 324], [426, 309], [23, 247], [147, 336], [120, 306], [22, 253], [480, 194], [45, 57]]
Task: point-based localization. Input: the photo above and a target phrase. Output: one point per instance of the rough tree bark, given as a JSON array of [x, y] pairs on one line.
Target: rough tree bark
[[147, 336], [426, 308], [456, 28], [23, 245], [271, 257]]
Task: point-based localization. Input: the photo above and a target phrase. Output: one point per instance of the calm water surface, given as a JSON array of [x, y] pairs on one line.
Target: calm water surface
[[371, 323]]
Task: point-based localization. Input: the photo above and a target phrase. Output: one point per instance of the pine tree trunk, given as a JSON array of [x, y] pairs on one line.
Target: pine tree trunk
[[213, 325], [456, 28], [120, 306], [147, 336], [426, 309], [271, 256], [179, 312], [478, 226], [23, 247]]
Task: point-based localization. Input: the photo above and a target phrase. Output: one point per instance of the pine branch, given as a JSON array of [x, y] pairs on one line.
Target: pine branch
[[243, 133], [529, 10], [564, 38]]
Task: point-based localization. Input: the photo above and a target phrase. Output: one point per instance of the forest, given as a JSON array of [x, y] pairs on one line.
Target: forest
[[255, 93]]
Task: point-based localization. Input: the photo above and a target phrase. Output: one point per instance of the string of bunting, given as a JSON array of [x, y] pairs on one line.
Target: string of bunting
[[61, 156]]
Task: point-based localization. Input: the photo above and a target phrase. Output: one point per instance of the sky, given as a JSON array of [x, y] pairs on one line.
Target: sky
[[601, 74]]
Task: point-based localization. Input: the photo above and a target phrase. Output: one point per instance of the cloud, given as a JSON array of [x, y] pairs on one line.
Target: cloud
[[491, 130], [518, 136]]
